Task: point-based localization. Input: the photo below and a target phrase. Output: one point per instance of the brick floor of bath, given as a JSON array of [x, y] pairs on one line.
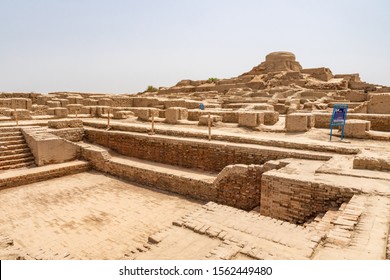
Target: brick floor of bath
[[86, 216]]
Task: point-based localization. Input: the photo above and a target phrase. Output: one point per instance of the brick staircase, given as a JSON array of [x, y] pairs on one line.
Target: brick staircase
[[14, 151]]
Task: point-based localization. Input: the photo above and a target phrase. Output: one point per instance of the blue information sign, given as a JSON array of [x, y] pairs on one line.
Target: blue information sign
[[339, 116]]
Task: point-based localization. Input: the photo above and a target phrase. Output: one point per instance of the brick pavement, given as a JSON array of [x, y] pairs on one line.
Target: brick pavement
[[85, 216]]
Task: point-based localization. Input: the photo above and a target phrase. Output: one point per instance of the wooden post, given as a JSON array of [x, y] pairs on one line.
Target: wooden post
[[152, 132], [16, 117], [209, 125], [108, 119]]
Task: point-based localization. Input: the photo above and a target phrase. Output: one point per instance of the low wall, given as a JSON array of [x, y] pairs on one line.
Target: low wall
[[58, 124], [229, 138], [38, 174], [185, 186], [227, 116], [297, 201], [366, 160], [379, 122], [191, 153]]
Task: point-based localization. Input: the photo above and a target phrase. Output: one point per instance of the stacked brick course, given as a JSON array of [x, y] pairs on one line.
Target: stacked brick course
[[190, 153], [370, 161], [239, 186], [23, 177], [297, 201]]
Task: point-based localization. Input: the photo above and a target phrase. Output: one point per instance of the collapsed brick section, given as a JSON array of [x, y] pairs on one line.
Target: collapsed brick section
[[239, 186], [297, 201]]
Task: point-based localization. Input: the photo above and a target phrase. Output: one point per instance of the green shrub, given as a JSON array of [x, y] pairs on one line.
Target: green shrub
[[151, 89], [212, 80]]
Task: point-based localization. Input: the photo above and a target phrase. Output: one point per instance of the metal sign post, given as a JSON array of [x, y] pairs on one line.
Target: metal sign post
[[339, 117]]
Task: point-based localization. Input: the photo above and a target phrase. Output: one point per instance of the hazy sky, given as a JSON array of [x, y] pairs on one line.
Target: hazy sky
[[123, 46]]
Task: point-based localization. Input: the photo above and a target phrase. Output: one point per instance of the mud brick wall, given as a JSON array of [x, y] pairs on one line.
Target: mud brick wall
[[298, 201], [378, 103], [198, 189], [65, 123], [70, 134], [209, 156], [185, 186], [235, 185], [239, 186], [122, 102], [145, 102], [39, 110], [32, 96], [379, 122], [227, 117], [376, 162]]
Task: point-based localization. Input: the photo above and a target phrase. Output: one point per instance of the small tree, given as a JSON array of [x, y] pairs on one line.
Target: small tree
[[212, 80], [151, 89]]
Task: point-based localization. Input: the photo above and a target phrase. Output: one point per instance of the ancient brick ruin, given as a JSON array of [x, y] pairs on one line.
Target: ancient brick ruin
[[238, 168]]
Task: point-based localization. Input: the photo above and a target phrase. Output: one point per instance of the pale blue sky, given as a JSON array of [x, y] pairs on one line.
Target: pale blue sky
[[123, 46]]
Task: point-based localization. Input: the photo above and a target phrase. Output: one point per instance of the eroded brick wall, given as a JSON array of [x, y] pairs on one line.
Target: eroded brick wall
[[70, 134], [379, 122], [239, 186], [298, 201]]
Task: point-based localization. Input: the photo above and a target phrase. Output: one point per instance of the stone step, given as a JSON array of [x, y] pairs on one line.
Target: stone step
[[13, 147], [15, 178], [13, 142], [19, 165], [9, 163], [11, 138], [9, 129], [26, 154], [4, 134], [14, 151]]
